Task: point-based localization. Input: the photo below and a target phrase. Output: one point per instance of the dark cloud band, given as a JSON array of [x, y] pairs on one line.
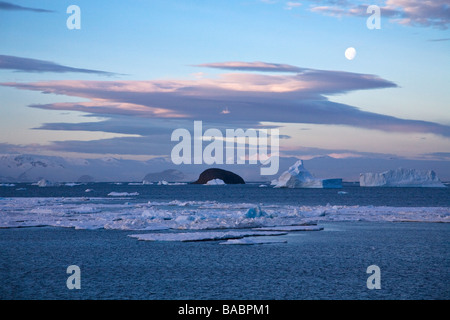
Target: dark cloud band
[[152, 109], [14, 7], [33, 65]]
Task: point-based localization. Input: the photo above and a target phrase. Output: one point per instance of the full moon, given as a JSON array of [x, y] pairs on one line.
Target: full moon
[[350, 53]]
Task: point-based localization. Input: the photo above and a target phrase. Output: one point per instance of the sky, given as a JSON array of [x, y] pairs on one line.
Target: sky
[[137, 70]]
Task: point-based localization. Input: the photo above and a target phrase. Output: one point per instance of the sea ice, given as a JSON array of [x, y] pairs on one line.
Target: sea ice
[[123, 194], [92, 213], [72, 184], [202, 236], [85, 209], [165, 183], [255, 213], [290, 228], [252, 241]]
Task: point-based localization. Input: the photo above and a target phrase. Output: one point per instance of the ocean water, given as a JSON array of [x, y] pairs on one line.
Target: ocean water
[[404, 231], [250, 193]]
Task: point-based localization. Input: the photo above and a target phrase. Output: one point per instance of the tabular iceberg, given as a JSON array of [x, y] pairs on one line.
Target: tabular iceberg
[[298, 177], [401, 178]]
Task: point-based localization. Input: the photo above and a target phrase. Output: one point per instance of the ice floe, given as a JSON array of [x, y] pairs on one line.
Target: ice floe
[[72, 184], [253, 241], [290, 228], [165, 183], [123, 194], [201, 236]]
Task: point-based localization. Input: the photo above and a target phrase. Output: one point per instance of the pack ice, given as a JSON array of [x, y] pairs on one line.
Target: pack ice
[[114, 213], [298, 177], [401, 178]]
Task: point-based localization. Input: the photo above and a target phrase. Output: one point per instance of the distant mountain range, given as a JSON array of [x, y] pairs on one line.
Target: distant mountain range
[[32, 168]]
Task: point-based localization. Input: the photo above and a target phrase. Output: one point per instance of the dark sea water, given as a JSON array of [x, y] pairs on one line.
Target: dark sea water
[[396, 197], [413, 257], [331, 264]]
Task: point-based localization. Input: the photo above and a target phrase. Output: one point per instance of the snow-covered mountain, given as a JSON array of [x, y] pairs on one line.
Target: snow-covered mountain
[[32, 168], [166, 175]]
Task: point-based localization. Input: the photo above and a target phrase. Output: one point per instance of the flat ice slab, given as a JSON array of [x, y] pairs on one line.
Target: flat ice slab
[[290, 228], [202, 236], [123, 194], [252, 241]]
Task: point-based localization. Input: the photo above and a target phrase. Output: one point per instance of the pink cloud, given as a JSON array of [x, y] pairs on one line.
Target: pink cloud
[[420, 13], [297, 95]]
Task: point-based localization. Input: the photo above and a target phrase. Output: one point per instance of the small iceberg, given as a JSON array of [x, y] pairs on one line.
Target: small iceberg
[[165, 183], [298, 177], [43, 183], [290, 228], [72, 184], [215, 182], [401, 178], [255, 213], [123, 194]]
